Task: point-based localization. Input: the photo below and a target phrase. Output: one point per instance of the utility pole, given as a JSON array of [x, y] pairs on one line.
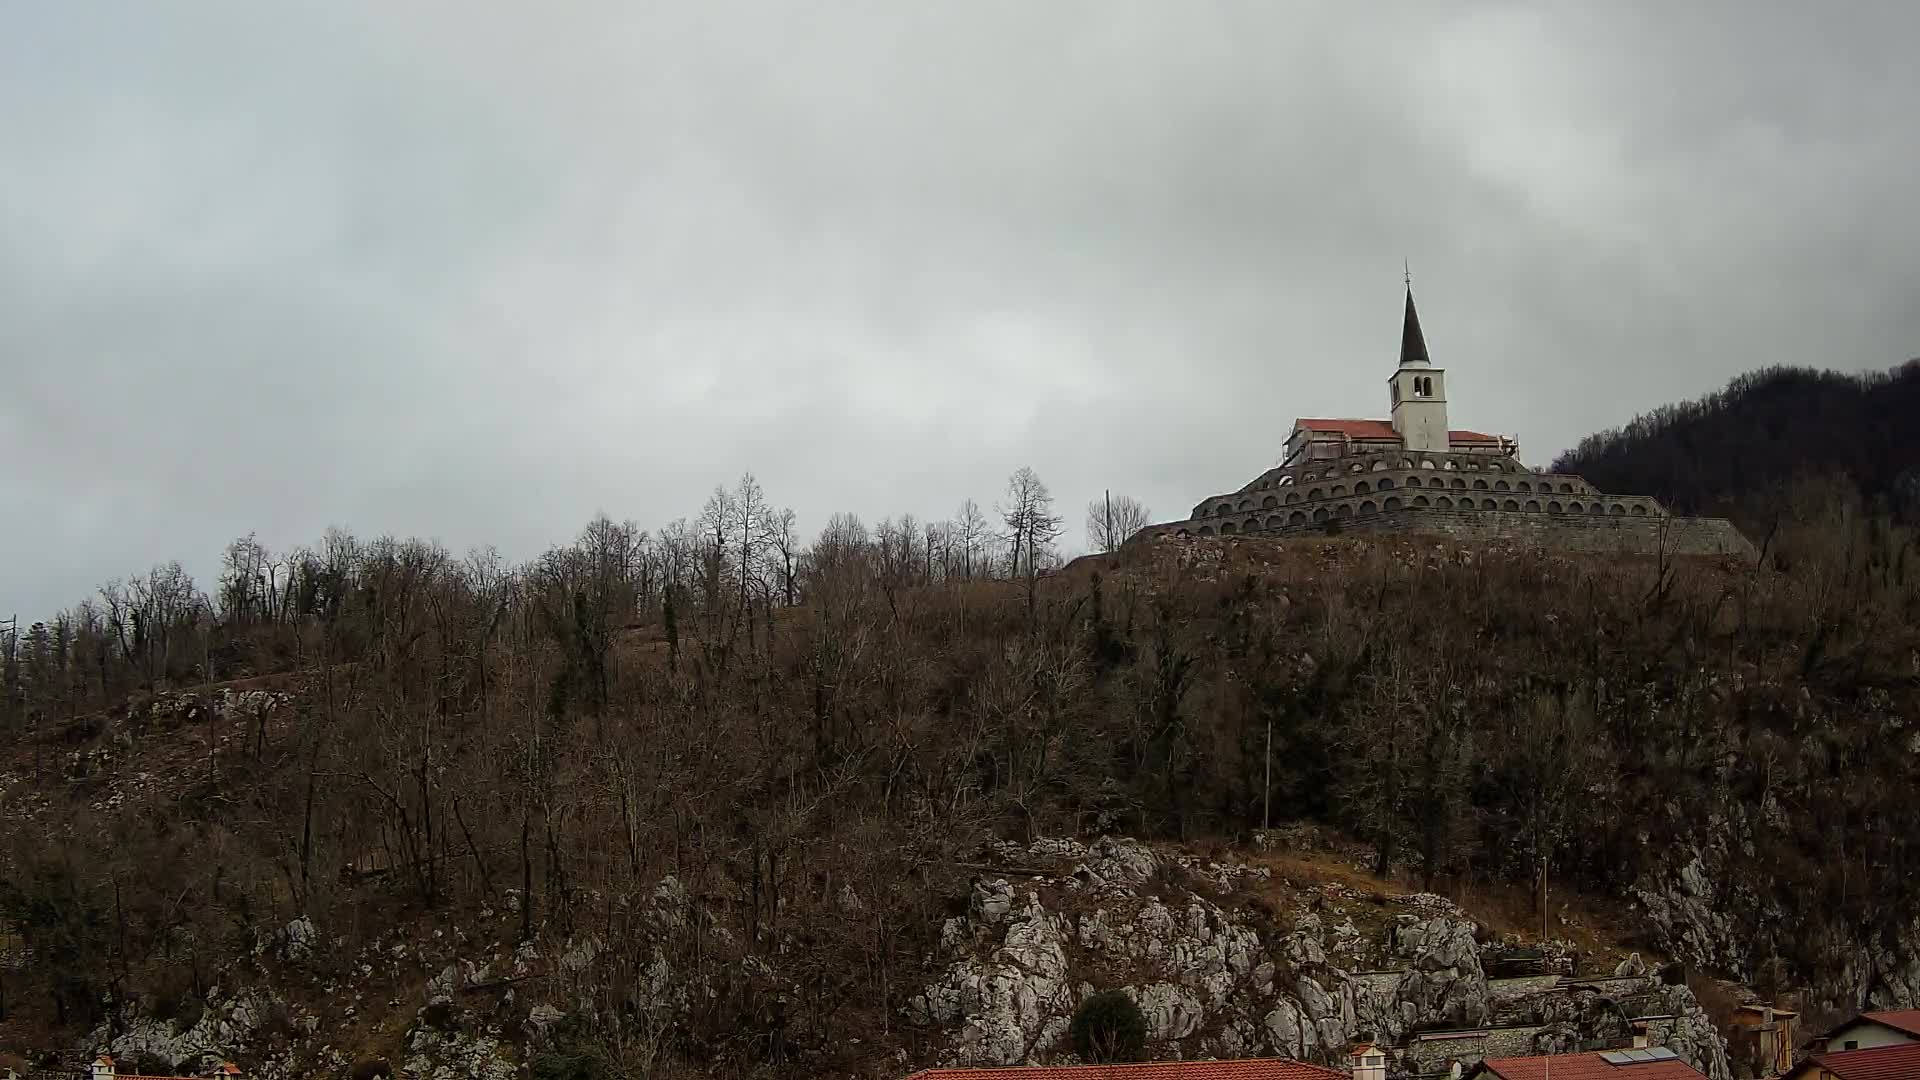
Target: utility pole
[[1266, 785], [1108, 538], [1543, 899]]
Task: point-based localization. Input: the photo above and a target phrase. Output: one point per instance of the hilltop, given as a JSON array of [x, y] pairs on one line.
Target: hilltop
[[591, 820], [714, 802]]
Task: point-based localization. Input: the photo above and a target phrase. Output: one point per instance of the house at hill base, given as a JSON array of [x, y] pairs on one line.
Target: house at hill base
[[1414, 472], [1245, 1069], [1655, 1063], [1896, 1061], [1869, 1030], [105, 1068]]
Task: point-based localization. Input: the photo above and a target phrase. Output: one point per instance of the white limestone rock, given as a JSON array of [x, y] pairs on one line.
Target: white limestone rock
[[541, 1019], [456, 1056], [293, 942], [228, 1024], [1172, 1012], [1015, 1002], [1120, 860], [1445, 981], [1289, 1032], [991, 900]]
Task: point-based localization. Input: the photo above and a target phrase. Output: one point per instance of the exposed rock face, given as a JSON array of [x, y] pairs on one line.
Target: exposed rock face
[[1445, 981], [1711, 909], [454, 1056], [1884, 974], [1014, 1000], [1214, 982], [1215, 971], [1692, 918], [293, 942], [227, 1024]]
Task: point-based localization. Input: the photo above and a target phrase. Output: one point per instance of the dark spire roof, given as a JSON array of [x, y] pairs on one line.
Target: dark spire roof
[[1413, 344]]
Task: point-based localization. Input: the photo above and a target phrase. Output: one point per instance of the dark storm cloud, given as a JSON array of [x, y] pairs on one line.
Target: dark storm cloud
[[476, 274]]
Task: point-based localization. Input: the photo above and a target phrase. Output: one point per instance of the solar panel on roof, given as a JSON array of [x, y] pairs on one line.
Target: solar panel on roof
[[1638, 1056]]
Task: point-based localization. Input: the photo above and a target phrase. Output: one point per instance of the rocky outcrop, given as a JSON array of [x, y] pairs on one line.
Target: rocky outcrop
[[1008, 992], [1884, 974], [1213, 981], [1221, 961], [438, 1055], [1710, 906], [228, 1024], [1691, 917], [1444, 982]]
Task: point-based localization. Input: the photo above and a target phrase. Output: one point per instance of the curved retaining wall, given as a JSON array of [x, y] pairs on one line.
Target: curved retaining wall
[[1571, 532]]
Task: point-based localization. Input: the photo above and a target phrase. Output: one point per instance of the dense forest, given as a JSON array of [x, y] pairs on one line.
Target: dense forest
[[364, 732], [1737, 452]]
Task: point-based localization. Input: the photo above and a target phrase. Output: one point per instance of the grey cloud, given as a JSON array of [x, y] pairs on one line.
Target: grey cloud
[[478, 273]]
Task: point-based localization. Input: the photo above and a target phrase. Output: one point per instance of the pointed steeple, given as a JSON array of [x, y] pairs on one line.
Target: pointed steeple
[[1413, 344]]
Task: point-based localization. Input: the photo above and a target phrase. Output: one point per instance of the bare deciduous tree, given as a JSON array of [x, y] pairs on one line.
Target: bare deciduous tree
[[1111, 520], [1032, 527], [971, 532]]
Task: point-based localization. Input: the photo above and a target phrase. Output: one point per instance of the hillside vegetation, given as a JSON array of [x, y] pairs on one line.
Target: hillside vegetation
[[801, 753], [1739, 451]]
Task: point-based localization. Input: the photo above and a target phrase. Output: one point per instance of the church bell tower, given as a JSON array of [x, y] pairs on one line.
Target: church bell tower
[[1419, 390]]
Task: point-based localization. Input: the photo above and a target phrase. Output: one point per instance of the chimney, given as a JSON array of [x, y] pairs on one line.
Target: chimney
[[102, 1068], [1639, 1034], [1369, 1062]]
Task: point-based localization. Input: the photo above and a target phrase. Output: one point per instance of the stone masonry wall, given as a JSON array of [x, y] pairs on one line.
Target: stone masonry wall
[[1608, 534], [1612, 534]]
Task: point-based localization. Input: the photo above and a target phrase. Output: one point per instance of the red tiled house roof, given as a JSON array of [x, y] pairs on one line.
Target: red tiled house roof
[[1258, 1069], [1907, 1020], [1584, 1067], [1898, 1062]]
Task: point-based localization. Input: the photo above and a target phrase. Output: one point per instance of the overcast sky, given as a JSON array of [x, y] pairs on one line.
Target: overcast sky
[[476, 271]]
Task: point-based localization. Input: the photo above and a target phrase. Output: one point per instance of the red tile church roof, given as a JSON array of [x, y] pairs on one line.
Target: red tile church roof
[[1382, 429], [1261, 1069]]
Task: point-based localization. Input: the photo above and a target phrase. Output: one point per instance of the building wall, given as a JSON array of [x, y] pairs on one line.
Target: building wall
[[1464, 495], [1868, 1036], [1608, 534], [1421, 420], [1437, 1055], [1404, 477]]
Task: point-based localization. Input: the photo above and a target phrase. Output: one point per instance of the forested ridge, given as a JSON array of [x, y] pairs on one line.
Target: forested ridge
[[1737, 452], [811, 741]]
